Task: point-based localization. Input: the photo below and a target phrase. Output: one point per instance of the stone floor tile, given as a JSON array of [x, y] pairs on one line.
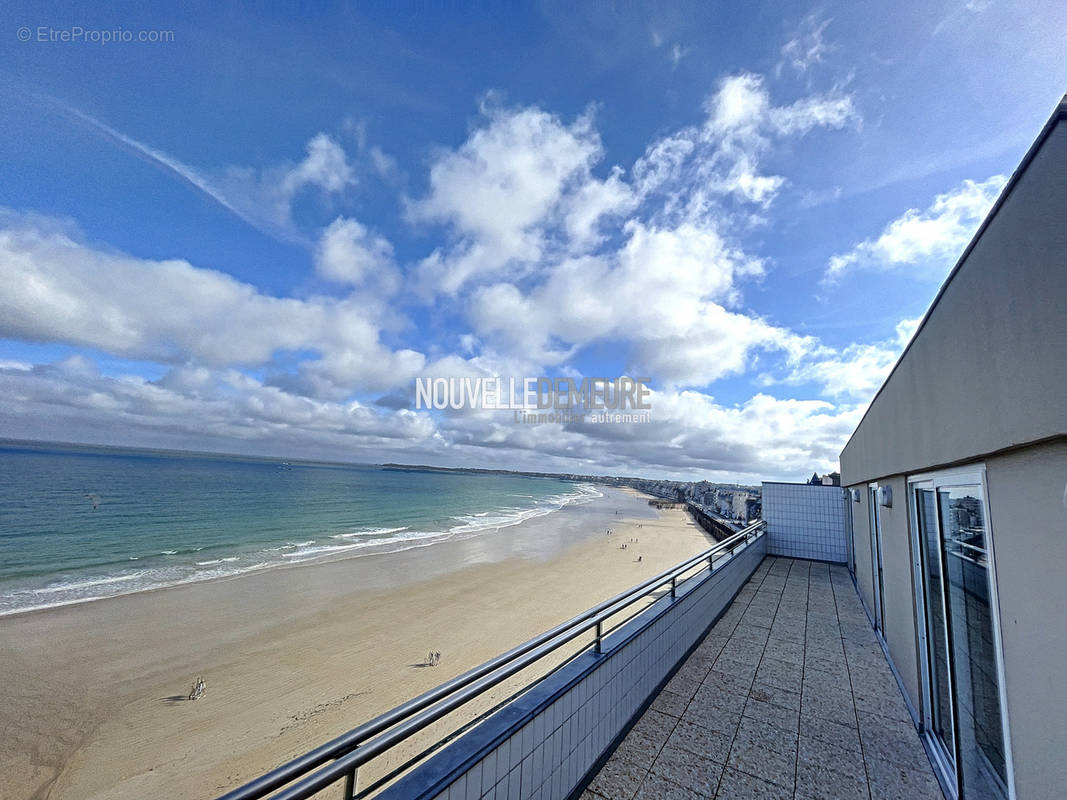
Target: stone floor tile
[[683, 685], [727, 683], [757, 733], [656, 726], [835, 708], [618, 779], [699, 774], [881, 703], [775, 694], [712, 717], [638, 750], [669, 702], [710, 696], [701, 740], [734, 667], [891, 780], [768, 712], [769, 765], [892, 741], [782, 651], [841, 736], [737, 785], [658, 787], [819, 783], [796, 637], [817, 753]]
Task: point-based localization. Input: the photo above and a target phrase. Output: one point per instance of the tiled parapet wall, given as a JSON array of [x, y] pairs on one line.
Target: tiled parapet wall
[[547, 743], [805, 521]]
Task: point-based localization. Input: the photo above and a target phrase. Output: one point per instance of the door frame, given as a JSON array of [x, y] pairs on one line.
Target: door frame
[[874, 521], [970, 475]]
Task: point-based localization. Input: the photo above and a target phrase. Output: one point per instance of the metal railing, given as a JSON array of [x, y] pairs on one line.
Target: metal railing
[[358, 746]]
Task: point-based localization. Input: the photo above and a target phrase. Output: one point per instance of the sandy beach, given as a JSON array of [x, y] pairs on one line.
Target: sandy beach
[[92, 699]]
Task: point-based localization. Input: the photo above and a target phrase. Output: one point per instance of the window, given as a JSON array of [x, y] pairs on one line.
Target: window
[[959, 640]]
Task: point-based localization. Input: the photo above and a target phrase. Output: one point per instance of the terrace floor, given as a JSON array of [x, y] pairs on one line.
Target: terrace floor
[[789, 696]]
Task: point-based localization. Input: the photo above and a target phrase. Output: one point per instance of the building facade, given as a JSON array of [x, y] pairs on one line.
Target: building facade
[[956, 479]]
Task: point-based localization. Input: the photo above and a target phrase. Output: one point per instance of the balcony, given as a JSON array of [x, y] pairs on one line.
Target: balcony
[[788, 697], [740, 674]]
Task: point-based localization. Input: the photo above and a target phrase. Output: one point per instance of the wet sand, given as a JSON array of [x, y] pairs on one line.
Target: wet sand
[[91, 701]]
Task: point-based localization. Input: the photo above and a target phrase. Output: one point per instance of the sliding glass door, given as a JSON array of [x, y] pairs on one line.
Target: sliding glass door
[[962, 702]]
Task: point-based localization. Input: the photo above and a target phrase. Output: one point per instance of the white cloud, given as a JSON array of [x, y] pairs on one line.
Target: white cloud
[[325, 166], [670, 290], [499, 191], [857, 371], [690, 434], [690, 171], [59, 290], [349, 253], [520, 194], [266, 196], [216, 408], [905, 330], [546, 253], [590, 204], [806, 47], [930, 240], [220, 409], [665, 291]]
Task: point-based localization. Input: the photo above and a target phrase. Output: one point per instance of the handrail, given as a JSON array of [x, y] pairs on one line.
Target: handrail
[[348, 752]]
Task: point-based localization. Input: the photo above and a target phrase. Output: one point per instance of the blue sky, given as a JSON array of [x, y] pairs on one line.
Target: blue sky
[[254, 236]]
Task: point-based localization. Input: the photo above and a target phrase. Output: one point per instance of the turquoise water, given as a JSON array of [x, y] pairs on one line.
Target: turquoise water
[[80, 523]]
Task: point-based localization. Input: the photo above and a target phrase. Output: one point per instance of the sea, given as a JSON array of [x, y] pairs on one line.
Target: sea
[[81, 523]]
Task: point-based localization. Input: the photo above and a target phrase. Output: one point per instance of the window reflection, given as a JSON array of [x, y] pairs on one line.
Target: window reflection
[[965, 560], [936, 631]]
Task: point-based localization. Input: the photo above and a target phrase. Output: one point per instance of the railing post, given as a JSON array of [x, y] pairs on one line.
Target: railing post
[[350, 785], [674, 586], [599, 636]]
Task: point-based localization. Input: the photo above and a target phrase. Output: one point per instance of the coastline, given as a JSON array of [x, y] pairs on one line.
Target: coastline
[[295, 656], [325, 546]]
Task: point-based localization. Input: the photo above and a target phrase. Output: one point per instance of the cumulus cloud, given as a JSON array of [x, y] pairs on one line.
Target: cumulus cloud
[[208, 407], [349, 253], [560, 258], [664, 291], [199, 407], [689, 434], [928, 240], [511, 181], [856, 371], [60, 290], [545, 251]]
